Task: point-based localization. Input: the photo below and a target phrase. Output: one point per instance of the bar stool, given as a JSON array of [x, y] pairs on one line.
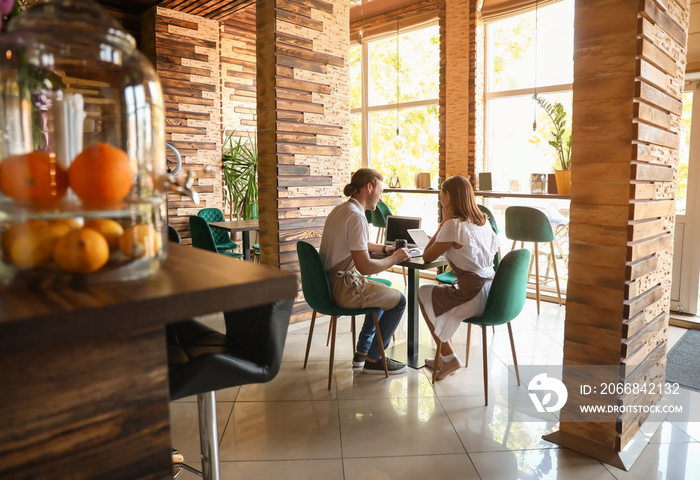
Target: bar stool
[[529, 224], [202, 360]]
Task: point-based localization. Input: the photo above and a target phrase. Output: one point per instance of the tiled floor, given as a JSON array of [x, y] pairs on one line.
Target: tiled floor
[[369, 427]]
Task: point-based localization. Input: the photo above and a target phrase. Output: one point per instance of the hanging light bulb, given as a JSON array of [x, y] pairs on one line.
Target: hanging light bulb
[[534, 138], [398, 65]]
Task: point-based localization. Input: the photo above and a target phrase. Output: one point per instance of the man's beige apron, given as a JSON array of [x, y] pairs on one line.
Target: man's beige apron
[[352, 290], [447, 297]]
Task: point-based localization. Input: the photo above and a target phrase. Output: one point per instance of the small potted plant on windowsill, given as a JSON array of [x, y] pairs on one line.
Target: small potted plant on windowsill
[[560, 141]]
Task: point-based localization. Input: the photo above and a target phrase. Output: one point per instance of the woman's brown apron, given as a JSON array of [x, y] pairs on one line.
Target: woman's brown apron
[[447, 297], [352, 290]]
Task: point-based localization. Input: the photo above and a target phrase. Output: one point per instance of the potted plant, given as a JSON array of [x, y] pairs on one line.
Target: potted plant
[[240, 169], [560, 141]]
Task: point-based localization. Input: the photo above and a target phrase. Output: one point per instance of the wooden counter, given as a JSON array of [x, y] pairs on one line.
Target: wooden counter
[[83, 369]]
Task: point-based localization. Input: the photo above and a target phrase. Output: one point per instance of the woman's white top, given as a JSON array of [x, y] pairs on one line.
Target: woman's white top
[[479, 245]]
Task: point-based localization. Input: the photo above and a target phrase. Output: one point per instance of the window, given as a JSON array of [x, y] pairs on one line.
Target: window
[[526, 54], [394, 85]]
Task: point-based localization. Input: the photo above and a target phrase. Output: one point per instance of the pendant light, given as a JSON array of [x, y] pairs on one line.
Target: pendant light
[[534, 138], [398, 65]]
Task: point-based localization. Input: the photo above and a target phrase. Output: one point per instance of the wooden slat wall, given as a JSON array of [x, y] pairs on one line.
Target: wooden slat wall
[[186, 52], [303, 123], [629, 61], [238, 67]]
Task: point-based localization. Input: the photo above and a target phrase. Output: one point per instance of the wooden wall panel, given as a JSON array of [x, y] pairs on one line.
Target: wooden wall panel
[[638, 68], [303, 123], [185, 51]]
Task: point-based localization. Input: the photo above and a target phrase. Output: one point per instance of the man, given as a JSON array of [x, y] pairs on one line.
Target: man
[[345, 251]]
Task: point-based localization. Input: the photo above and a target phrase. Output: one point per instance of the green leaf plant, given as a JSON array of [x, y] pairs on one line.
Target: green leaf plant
[[240, 170], [560, 140]]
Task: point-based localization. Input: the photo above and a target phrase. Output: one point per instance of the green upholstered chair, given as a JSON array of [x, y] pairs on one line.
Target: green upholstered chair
[[529, 224], [317, 293], [449, 277], [379, 220], [221, 238], [202, 237], [504, 303]]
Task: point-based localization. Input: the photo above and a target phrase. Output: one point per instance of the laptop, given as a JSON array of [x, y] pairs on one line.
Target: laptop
[[398, 226], [420, 238]]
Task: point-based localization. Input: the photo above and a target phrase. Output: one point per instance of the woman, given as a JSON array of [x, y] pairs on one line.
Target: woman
[[469, 244]]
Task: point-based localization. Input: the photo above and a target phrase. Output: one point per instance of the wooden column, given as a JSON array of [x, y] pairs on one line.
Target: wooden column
[[456, 88], [303, 123], [629, 62]]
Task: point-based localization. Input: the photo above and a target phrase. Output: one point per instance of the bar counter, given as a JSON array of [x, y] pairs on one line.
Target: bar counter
[[83, 368]]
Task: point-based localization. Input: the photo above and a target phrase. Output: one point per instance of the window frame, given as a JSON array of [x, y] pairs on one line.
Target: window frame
[[364, 110]]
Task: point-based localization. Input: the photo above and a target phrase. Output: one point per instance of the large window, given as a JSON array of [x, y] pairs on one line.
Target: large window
[[394, 84], [394, 125], [526, 54]]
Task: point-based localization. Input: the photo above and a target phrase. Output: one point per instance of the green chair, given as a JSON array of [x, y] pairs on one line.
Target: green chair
[[529, 224], [317, 293], [202, 237], [449, 277], [505, 302], [379, 220], [221, 238]]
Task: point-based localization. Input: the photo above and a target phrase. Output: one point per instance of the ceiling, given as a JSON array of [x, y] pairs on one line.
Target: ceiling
[[211, 9]]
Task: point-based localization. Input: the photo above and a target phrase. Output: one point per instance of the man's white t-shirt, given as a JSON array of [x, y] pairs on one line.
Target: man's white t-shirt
[[346, 229]]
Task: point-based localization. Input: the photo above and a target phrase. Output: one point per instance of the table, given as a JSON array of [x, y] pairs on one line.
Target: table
[[243, 226], [415, 352], [83, 368]]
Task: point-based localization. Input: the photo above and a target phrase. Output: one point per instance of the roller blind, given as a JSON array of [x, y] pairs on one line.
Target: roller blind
[[497, 9]]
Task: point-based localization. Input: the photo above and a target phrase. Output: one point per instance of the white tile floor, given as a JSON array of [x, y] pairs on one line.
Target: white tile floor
[[404, 428]]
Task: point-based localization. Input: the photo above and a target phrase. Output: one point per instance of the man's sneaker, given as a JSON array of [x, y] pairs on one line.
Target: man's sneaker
[[359, 359], [377, 368]]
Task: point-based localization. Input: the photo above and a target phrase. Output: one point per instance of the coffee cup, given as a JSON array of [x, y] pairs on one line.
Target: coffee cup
[[400, 243]]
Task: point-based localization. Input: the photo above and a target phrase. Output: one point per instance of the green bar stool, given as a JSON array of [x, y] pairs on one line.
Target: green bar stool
[[529, 224]]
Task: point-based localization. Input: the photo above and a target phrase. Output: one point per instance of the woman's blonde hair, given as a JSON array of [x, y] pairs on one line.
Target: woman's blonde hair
[[463, 200], [361, 178]]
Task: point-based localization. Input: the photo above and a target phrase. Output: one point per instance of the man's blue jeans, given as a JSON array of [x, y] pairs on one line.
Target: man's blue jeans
[[388, 321]]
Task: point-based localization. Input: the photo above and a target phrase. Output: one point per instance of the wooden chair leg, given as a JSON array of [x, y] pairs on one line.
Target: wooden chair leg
[[352, 329], [486, 365], [311, 334], [438, 354], [556, 274], [328, 337], [537, 277], [334, 321], [469, 343], [378, 333], [404, 276], [513, 246], [512, 349]]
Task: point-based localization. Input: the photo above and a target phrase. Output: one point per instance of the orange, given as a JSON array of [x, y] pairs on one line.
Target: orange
[[33, 247], [109, 229], [71, 223], [101, 173], [140, 240], [35, 176], [15, 230], [81, 251]]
